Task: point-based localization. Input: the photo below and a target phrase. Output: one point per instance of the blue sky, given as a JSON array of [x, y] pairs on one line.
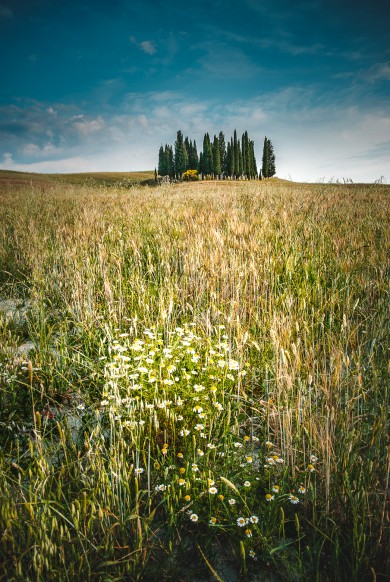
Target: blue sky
[[99, 85]]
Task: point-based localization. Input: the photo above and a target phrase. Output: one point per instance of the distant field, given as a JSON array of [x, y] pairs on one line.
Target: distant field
[[194, 380], [11, 178]]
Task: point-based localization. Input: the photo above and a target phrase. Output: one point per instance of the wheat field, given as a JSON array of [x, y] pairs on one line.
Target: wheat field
[[194, 382]]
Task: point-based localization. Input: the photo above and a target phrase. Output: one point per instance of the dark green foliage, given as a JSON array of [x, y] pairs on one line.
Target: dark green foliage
[[222, 152], [181, 156], [217, 169], [268, 167], [235, 159], [207, 156]]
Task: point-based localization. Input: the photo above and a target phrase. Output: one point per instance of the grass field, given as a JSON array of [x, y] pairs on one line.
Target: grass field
[[11, 179], [194, 381]]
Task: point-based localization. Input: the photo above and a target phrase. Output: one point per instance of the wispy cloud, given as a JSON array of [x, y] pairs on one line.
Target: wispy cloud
[[378, 72], [146, 46], [222, 60]]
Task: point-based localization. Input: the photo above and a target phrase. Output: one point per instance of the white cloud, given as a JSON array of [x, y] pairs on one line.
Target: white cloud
[[86, 127], [148, 47]]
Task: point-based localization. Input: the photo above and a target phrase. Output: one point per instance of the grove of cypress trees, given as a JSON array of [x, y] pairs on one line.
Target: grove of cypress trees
[[233, 158]]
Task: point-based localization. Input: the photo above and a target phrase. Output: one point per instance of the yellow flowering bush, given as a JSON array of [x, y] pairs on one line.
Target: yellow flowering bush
[[190, 175]]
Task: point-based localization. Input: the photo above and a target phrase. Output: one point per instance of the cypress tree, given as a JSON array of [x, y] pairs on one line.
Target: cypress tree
[[193, 161], [162, 165], [170, 162], [245, 155], [240, 160], [253, 165], [180, 155], [268, 166], [217, 170], [222, 152], [236, 155], [201, 167], [207, 155]]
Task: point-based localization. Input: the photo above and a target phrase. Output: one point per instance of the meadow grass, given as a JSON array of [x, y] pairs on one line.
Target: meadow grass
[[207, 394]]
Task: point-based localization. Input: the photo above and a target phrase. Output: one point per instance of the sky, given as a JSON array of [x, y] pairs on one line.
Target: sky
[[100, 85]]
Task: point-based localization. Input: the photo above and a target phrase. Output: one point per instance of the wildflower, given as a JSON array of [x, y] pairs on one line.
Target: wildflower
[[247, 483], [213, 490], [254, 519], [302, 489], [168, 382], [213, 521], [210, 446], [313, 458], [180, 455], [275, 488], [184, 432], [198, 427], [200, 452], [237, 445], [269, 497], [213, 389], [195, 467], [181, 482], [268, 444], [293, 499], [218, 406], [160, 487], [311, 468], [232, 501], [241, 522], [233, 365], [246, 438], [81, 407], [221, 497], [104, 403], [194, 517], [249, 459], [187, 497], [179, 402], [198, 409], [179, 417], [138, 471], [182, 470], [252, 554], [248, 533]]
